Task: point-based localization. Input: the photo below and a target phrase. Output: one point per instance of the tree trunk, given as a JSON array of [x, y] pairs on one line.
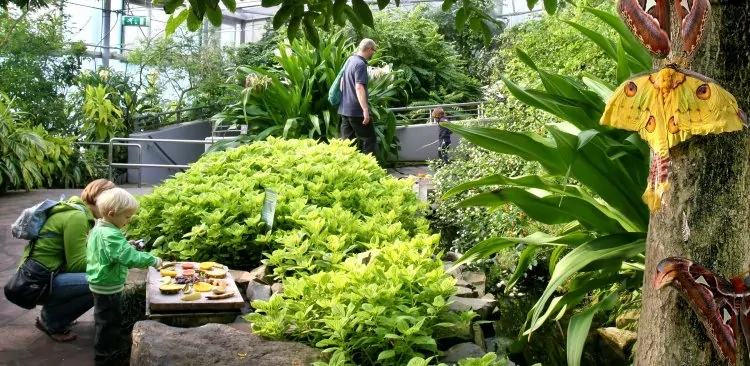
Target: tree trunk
[[711, 189]]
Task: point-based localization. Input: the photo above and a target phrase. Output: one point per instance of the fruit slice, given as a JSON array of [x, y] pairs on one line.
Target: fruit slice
[[187, 266], [188, 272], [221, 287], [219, 297], [191, 297], [165, 280], [168, 273], [207, 265], [216, 273], [202, 287], [170, 289]]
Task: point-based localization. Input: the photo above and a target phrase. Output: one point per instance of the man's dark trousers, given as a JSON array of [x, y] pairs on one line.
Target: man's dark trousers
[[352, 127]]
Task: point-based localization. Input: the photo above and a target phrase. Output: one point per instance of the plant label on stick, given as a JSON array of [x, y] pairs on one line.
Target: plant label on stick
[[269, 208]]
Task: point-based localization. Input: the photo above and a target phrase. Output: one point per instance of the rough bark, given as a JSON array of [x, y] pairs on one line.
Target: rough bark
[[711, 188]]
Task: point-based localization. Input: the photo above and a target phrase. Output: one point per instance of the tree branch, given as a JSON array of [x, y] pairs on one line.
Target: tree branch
[[13, 26]]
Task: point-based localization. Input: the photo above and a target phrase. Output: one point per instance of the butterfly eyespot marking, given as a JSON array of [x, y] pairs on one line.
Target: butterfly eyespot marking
[[672, 126], [651, 124], [703, 92], [631, 89]]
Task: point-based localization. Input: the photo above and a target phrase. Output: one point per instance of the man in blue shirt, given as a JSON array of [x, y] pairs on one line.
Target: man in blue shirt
[[354, 110]]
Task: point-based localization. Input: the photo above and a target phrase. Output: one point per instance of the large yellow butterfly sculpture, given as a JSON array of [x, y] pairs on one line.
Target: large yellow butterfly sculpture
[[670, 105], [667, 107]]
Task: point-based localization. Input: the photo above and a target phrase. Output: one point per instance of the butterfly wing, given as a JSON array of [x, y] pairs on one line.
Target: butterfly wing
[[637, 105], [703, 107], [711, 297], [649, 22]]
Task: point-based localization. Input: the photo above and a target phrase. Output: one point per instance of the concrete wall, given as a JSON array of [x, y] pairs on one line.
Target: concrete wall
[[420, 142], [180, 153]]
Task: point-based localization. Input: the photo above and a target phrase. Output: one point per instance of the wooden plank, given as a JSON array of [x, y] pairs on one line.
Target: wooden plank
[[156, 301]]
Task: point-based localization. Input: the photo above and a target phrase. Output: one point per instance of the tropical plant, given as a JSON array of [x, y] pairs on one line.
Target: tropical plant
[[434, 70], [329, 197], [382, 311], [291, 101], [592, 182], [103, 118], [32, 157]]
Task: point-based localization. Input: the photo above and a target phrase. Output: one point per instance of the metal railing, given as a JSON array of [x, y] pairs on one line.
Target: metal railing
[[413, 115], [154, 121], [129, 141], [109, 155], [423, 114]]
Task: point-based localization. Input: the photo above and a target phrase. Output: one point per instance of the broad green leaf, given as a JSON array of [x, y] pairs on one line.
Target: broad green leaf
[[578, 328], [550, 209], [531, 4], [363, 12], [282, 15], [585, 137], [614, 183], [524, 261], [550, 6], [491, 246], [528, 146], [599, 86], [231, 5], [525, 58], [534, 181], [603, 42], [623, 69], [386, 354], [616, 246], [632, 45], [214, 15], [382, 4], [193, 22], [171, 5], [554, 258], [175, 21], [461, 16], [447, 5], [311, 32]]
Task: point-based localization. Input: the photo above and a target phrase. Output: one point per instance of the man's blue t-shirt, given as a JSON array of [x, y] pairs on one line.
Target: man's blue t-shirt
[[355, 72]]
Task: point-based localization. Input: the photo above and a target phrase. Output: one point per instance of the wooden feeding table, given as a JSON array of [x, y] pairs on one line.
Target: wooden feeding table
[[171, 310]]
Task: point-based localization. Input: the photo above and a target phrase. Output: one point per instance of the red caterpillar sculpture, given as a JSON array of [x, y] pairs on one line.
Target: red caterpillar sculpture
[[721, 305]]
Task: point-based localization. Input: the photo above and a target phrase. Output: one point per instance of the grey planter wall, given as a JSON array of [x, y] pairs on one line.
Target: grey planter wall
[[420, 142], [179, 153]]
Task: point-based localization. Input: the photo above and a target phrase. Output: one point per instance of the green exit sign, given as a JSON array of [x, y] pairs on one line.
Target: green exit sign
[[134, 21]]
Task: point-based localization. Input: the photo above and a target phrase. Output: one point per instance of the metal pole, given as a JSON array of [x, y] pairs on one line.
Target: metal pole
[[109, 160], [106, 7]]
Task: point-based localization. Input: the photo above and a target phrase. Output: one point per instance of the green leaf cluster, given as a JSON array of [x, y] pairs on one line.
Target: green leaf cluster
[[435, 72], [592, 182], [31, 157], [332, 202], [291, 100], [381, 311]]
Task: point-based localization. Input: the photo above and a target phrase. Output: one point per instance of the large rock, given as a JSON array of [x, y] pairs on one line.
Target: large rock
[[462, 351], [465, 292], [259, 274], [483, 307], [621, 341], [258, 291], [478, 281], [212, 344]]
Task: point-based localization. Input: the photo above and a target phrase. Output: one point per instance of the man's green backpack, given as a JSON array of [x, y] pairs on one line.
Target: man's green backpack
[[334, 94]]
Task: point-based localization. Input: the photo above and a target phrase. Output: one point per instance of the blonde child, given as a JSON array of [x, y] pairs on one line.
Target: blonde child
[[109, 256]]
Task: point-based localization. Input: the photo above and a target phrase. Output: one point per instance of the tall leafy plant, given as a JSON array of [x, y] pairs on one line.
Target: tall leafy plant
[[291, 101], [30, 156], [592, 182]]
